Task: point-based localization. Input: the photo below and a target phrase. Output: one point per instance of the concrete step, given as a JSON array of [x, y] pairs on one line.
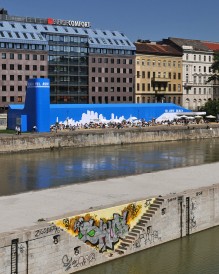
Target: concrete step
[[154, 206], [142, 222], [157, 203], [122, 247], [159, 199], [139, 227], [133, 234], [131, 238], [127, 241], [137, 230], [150, 211], [124, 244], [119, 251], [147, 215]]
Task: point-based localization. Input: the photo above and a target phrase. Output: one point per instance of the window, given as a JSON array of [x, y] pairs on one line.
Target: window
[[34, 67], [99, 60], [11, 55], [11, 77], [27, 67], [11, 88], [143, 74], [3, 55], [3, 98], [19, 56], [194, 57], [11, 98], [179, 76], [34, 57], [11, 66], [19, 88], [93, 79], [42, 57], [3, 77], [19, 77], [19, 67], [3, 88], [42, 68], [27, 57], [19, 99]]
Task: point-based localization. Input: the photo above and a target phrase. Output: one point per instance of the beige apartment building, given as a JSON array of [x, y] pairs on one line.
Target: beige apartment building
[[158, 73]]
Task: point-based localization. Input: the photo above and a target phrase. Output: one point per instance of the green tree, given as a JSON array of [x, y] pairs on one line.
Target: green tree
[[211, 107], [214, 69]]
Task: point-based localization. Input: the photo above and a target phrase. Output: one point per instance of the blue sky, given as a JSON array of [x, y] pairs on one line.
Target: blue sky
[[140, 19]]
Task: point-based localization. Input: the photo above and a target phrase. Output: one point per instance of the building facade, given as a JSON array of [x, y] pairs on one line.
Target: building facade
[[215, 47], [64, 51], [158, 73], [197, 60]]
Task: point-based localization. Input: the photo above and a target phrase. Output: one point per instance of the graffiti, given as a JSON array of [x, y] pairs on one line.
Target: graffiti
[[77, 250], [21, 248], [192, 213], [66, 223], [147, 237], [106, 234], [66, 262], [51, 229], [199, 193], [133, 210], [79, 262], [148, 202]]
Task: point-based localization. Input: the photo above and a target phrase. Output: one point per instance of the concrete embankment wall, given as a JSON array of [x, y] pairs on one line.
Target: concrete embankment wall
[[72, 243], [85, 138]]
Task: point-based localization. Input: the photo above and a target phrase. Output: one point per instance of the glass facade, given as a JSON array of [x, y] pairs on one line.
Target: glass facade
[[68, 68]]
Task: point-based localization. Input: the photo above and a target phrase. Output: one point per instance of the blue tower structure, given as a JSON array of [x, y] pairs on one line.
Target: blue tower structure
[[36, 111]]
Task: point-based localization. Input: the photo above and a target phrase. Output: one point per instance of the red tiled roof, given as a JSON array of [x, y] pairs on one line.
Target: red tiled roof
[[212, 45], [157, 49]]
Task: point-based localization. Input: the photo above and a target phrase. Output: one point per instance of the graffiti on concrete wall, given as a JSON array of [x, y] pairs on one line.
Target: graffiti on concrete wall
[[103, 229], [193, 213], [106, 234], [69, 262], [146, 237]]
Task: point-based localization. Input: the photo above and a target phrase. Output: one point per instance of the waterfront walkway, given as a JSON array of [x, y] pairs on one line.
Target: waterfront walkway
[[23, 210]]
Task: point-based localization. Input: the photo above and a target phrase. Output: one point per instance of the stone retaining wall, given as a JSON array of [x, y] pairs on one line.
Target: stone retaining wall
[[85, 138]]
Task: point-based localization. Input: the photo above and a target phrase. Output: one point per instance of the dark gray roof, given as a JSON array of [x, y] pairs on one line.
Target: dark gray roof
[[196, 44]]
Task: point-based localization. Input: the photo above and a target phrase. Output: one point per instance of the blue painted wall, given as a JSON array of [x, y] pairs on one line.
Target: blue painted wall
[[38, 112]]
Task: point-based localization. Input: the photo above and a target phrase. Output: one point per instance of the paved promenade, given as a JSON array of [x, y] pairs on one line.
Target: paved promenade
[[26, 209]]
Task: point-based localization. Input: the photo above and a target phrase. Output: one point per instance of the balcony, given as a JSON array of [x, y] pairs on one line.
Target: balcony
[[160, 80]]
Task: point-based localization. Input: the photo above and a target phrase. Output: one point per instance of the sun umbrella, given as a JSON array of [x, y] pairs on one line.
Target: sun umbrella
[[210, 117], [198, 117]]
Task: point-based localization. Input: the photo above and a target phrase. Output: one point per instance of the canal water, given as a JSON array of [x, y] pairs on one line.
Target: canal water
[[39, 170], [196, 254]]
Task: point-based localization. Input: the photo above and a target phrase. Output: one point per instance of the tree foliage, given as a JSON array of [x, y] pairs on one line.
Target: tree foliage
[[214, 69], [211, 107]]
